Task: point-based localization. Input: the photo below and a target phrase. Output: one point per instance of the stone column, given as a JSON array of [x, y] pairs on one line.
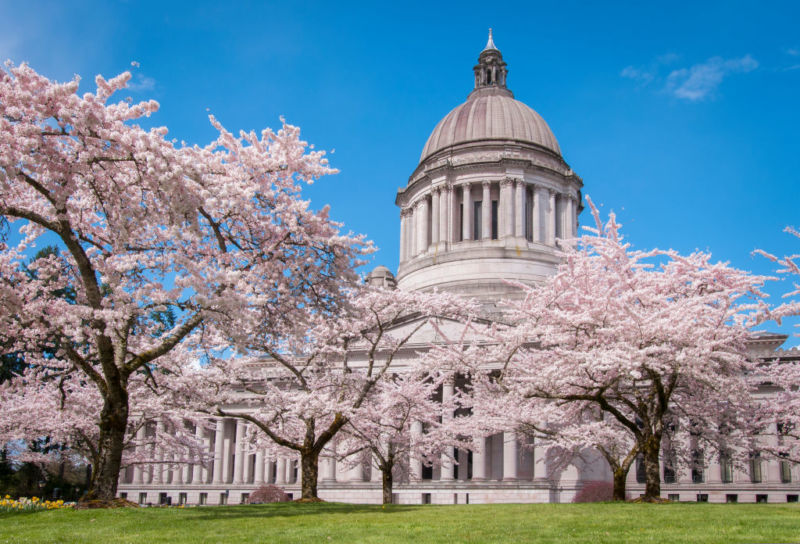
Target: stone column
[[466, 204], [479, 459], [452, 215], [539, 464], [486, 212], [197, 467], [219, 451], [411, 245], [138, 473], [280, 476], [573, 217], [421, 224], [551, 227], [290, 471], [538, 215], [519, 209], [416, 464], [509, 456], [186, 473], [444, 207], [329, 464], [238, 459], [448, 472], [435, 209], [227, 451], [403, 235], [259, 476], [506, 208], [158, 467]]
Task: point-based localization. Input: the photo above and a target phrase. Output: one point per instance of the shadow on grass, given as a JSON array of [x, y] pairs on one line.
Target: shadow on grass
[[292, 509]]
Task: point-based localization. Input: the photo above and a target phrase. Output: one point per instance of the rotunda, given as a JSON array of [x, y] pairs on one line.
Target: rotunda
[[490, 197]]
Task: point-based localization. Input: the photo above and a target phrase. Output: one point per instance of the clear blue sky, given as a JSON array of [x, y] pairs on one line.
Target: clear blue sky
[[681, 117]]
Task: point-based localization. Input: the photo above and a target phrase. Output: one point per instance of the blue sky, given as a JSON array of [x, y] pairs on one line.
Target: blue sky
[[681, 117]]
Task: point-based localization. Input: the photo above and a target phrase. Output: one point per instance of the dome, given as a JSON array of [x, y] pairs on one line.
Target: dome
[[490, 114]]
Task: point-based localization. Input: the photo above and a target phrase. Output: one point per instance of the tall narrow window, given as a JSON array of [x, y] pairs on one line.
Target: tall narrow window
[[461, 222], [494, 220], [477, 234], [726, 468], [755, 468], [697, 467], [786, 472], [641, 474]]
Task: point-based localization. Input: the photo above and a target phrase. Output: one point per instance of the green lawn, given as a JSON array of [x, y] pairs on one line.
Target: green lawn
[[330, 522]]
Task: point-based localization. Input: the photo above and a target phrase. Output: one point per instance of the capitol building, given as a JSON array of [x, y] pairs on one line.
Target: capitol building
[[487, 202]]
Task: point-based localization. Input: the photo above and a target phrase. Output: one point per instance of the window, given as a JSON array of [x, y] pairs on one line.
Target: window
[[674, 497], [142, 498], [641, 475], [427, 472], [182, 499], [223, 498], [244, 498], [494, 220], [730, 497], [476, 220], [163, 499], [455, 498], [726, 468], [755, 468], [203, 498], [426, 498], [460, 233], [702, 497], [791, 498], [123, 495], [697, 467], [786, 472], [669, 468], [761, 498]]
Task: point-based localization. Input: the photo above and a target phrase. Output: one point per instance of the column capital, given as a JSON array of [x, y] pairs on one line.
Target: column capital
[[486, 183], [506, 182]]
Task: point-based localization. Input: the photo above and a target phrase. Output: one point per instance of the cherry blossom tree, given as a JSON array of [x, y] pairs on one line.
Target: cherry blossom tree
[[66, 408], [781, 411], [300, 382], [622, 348], [147, 228], [383, 426]]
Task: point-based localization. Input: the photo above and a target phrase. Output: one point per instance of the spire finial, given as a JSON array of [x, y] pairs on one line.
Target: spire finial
[[490, 43]]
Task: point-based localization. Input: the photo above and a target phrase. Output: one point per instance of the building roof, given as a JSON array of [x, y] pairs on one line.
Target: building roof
[[488, 115], [490, 112]]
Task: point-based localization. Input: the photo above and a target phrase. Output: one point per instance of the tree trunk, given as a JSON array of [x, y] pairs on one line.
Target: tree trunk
[[105, 472], [386, 472], [652, 469], [309, 465], [620, 478]]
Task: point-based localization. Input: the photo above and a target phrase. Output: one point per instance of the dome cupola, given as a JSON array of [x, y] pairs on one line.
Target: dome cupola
[[490, 197]]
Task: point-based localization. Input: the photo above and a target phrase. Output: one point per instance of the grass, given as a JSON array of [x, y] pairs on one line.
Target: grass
[[332, 522]]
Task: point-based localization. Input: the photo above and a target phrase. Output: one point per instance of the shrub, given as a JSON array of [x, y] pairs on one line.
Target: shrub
[[595, 491], [266, 494]]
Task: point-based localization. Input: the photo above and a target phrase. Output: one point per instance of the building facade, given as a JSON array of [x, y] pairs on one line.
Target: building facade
[[487, 203]]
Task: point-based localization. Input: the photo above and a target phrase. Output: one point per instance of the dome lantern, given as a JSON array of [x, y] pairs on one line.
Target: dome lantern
[[491, 70]]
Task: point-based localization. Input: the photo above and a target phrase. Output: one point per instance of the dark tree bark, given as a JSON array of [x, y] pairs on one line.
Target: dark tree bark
[[309, 473], [108, 461], [387, 485]]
